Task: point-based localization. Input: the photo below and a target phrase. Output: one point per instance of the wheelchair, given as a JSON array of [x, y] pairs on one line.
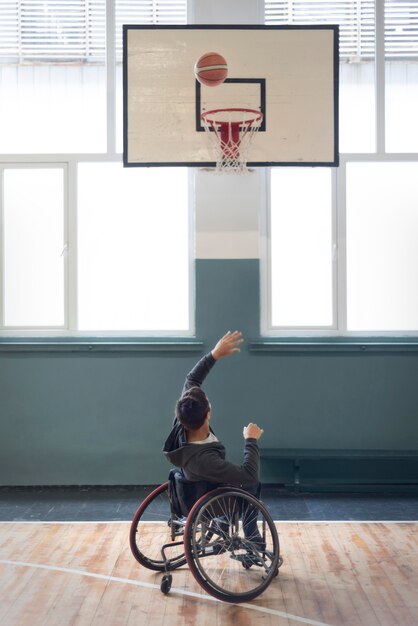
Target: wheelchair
[[225, 535]]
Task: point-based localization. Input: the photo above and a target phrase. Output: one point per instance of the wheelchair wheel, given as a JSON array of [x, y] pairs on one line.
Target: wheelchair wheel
[[231, 545], [153, 527]]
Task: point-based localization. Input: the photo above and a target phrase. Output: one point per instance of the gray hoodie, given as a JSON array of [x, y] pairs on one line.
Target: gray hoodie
[[207, 462]]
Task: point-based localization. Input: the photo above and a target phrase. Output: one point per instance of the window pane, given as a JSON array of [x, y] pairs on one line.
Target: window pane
[[301, 247], [382, 251], [133, 248], [52, 77], [357, 106], [401, 52], [33, 247]]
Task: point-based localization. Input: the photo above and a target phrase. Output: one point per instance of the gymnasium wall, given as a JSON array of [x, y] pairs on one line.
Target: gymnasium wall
[[101, 417], [74, 416]]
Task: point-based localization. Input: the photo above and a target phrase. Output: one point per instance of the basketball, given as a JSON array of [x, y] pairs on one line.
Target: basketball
[[211, 69]]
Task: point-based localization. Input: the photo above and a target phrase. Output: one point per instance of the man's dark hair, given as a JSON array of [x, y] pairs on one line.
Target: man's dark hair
[[192, 408]]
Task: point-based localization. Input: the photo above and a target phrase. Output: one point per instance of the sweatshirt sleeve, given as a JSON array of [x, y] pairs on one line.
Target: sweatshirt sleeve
[[213, 468], [198, 374]]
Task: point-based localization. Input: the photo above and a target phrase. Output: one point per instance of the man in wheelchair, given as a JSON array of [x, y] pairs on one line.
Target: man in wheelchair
[[193, 447], [216, 522]]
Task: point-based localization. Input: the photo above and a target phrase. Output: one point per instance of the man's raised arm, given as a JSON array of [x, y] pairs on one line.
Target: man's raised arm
[[227, 345]]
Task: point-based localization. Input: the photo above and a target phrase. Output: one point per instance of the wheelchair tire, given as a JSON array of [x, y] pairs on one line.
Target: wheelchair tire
[[146, 538], [224, 573]]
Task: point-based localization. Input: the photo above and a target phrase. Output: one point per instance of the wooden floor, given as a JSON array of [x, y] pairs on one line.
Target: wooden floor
[[84, 574]]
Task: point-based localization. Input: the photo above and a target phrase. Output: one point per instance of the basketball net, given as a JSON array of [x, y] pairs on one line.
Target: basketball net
[[231, 133]]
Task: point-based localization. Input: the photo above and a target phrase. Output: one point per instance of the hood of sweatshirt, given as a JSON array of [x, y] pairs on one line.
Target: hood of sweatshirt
[[179, 452]]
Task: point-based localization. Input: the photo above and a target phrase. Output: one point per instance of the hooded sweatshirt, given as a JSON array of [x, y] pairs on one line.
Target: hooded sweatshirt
[[206, 461]]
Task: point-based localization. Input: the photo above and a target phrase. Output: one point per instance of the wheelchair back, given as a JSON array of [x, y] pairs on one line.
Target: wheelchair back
[[185, 493]]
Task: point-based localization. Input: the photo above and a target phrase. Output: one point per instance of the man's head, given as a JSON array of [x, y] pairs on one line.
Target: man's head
[[193, 408]]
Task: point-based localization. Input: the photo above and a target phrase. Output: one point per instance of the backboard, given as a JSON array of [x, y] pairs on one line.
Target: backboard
[[289, 73]]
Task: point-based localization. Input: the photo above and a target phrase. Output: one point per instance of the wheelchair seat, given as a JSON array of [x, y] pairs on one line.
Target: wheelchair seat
[[185, 493]]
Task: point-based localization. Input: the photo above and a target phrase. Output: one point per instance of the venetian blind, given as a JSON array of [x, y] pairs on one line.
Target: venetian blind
[[148, 12], [74, 30], [356, 19]]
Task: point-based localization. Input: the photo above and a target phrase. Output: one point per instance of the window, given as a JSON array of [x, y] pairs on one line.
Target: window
[[301, 228], [53, 76], [382, 253], [33, 232], [340, 255], [137, 276], [401, 76], [87, 246]]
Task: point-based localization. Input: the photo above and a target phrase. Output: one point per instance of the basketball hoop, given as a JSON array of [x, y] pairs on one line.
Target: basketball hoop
[[231, 132]]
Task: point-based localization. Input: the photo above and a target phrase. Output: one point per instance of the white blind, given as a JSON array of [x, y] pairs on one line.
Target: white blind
[[357, 24], [401, 29], [62, 30], [148, 12], [74, 30]]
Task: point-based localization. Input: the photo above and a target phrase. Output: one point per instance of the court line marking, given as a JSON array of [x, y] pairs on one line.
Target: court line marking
[[138, 583]]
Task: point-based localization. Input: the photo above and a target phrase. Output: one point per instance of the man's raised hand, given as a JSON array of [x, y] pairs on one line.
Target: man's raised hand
[[227, 345]]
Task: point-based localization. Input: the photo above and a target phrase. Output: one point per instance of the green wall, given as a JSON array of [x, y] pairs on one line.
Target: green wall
[[71, 418]]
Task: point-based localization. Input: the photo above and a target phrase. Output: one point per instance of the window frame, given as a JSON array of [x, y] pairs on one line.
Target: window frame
[[69, 162], [380, 155]]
